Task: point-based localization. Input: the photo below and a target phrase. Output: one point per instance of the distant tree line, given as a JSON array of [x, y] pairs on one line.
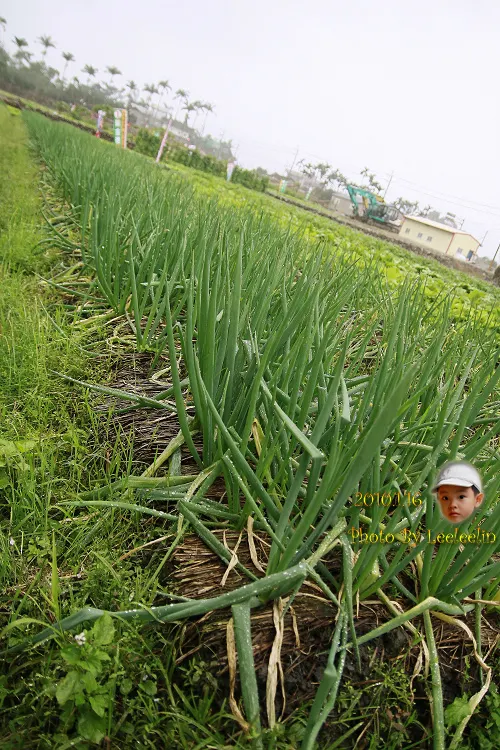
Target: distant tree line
[[328, 179], [413, 208], [28, 74]]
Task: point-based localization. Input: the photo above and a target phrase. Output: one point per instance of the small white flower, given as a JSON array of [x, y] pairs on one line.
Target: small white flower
[[11, 541], [145, 677], [80, 638]]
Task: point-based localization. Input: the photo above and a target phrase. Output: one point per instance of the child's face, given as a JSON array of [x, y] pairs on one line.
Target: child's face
[[457, 503]]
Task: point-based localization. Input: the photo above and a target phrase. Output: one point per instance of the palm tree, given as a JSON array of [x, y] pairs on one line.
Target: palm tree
[[113, 72], [46, 42], [23, 55], [151, 89], [372, 180], [163, 86], [20, 42], [132, 88], [198, 106], [189, 107], [180, 94], [51, 73], [375, 184], [69, 57], [3, 24], [335, 177], [90, 71], [208, 108]]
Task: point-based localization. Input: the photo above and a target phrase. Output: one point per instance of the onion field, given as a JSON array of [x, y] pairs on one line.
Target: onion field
[[314, 380]]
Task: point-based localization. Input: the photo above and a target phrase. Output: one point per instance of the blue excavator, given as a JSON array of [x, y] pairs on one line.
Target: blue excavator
[[372, 208]]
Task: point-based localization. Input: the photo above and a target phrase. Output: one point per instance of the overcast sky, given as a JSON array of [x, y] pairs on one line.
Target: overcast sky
[[410, 88]]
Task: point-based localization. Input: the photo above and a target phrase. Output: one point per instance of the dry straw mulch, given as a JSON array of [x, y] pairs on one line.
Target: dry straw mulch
[[197, 572], [308, 623]]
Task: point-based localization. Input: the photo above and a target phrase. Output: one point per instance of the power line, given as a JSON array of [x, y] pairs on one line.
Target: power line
[[465, 203], [293, 162], [454, 202], [388, 184], [448, 196]]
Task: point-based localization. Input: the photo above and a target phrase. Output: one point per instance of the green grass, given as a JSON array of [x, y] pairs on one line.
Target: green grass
[[42, 433], [313, 373], [49, 448], [18, 201]]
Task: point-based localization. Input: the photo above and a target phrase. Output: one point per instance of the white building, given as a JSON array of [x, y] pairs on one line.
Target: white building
[[342, 203], [440, 237], [180, 132]]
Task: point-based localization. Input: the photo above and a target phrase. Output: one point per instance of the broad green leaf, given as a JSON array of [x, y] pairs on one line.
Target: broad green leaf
[[393, 273], [457, 711], [103, 631], [71, 654], [149, 687], [92, 662], [126, 686], [89, 682], [91, 727], [12, 448], [68, 687], [4, 479], [99, 703]]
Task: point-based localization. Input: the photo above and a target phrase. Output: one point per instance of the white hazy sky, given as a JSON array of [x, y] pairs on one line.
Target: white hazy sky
[[402, 86]]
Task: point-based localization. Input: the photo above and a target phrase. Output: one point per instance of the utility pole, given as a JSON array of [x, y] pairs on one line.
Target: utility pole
[[481, 243], [492, 262], [388, 184], [293, 162], [220, 143]]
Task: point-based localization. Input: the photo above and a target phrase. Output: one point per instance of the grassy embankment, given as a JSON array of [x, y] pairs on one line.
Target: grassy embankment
[[48, 452], [63, 115]]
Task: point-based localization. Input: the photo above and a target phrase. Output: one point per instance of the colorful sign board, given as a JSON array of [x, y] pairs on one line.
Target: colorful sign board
[[100, 121], [120, 127], [124, 128]]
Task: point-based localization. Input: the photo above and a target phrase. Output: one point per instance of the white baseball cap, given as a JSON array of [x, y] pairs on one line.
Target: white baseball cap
[[460, 474]]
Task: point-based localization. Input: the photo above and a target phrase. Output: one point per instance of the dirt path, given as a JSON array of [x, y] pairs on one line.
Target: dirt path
[[388, 236]]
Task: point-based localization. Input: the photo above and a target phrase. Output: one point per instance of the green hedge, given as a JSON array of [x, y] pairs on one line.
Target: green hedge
[[148, 143], [250, 179]]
